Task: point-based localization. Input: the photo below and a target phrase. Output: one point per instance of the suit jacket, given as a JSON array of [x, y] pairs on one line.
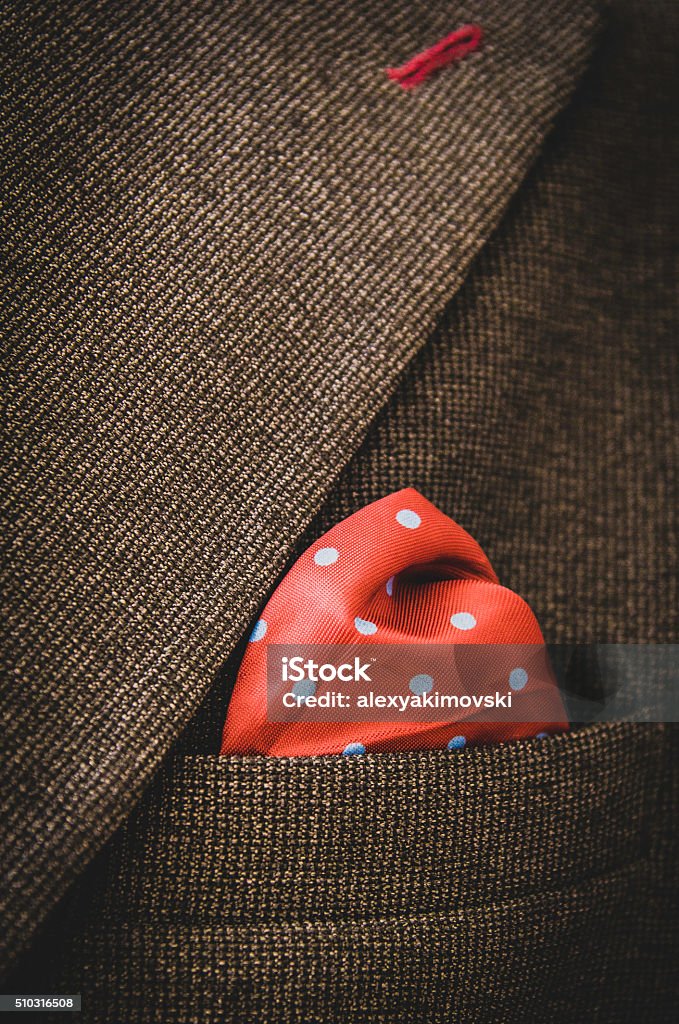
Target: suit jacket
[[253, 286]]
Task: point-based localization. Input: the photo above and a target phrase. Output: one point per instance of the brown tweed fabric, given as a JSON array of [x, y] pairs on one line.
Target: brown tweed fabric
[[543, 413], [531, 882], [230, 233], [524, 882]]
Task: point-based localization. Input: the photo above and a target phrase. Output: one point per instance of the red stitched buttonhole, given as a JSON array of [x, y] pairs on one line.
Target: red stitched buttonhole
[[455, 46]]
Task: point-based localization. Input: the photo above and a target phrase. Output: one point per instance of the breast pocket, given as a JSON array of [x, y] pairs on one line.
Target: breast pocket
[[526, 881]]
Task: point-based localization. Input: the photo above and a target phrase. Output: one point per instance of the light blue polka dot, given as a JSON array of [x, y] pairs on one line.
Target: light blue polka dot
[[421, 684], [304, 688], [365, 627], [518, 678], [259, 631], [406, 517], [390, 585], [326, 556], [542, 736], [457, 743], [354, 748], [463, 620]]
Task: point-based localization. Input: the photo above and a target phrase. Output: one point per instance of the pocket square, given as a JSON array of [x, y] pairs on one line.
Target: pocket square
[[398, 571]]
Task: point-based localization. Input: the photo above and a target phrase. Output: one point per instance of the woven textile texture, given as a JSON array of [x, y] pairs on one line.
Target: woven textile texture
[[531, 882], [520, 882], [543, 414], [230, 233], [238, 313]]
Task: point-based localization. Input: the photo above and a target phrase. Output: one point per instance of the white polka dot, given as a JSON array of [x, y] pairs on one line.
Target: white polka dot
[[518, 678], [365, 627], [406, 517], [259, 631], [304, 688], [457, 743], [421, 684], [463, 620], [326, 556], [354, 748], [390, 585]]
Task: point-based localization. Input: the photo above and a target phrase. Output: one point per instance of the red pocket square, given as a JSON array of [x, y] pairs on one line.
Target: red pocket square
[[398, 571]]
